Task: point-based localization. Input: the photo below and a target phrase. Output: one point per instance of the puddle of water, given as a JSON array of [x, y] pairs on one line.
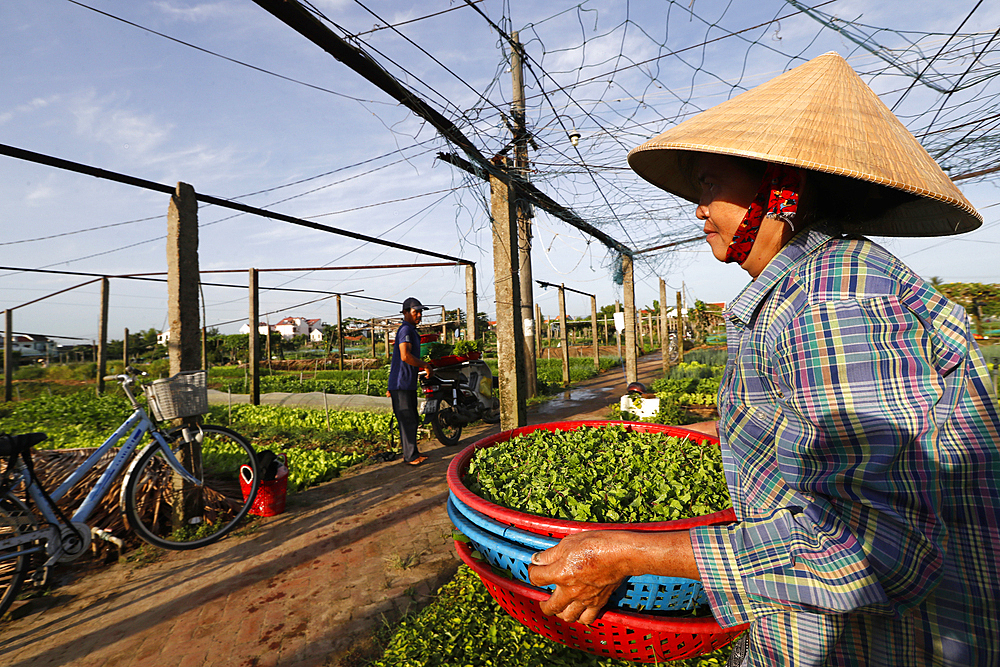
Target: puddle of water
[[572, 397]]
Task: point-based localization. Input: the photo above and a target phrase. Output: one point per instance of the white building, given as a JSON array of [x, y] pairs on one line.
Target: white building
[[262, 327], [31, 345], [300, 326]]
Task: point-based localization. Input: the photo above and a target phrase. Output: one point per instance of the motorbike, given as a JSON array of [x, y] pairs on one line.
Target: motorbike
[[459, 394]]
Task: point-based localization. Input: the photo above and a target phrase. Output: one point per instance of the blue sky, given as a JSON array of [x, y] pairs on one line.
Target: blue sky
[[232, 101]]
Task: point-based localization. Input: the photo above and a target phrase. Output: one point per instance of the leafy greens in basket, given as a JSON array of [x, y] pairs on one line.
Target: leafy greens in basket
[[603, 474]]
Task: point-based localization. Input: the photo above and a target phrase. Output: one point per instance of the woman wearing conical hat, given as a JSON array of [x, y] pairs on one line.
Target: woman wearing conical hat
[[859, 435]]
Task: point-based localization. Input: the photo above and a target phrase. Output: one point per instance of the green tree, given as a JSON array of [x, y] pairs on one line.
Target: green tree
[[979, 299]]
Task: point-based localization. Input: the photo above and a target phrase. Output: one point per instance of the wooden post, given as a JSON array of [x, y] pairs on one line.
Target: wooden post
[[510, 345], [102, 335], [593, 330], [470, 302], [125, 348], [664, 329], [631, 362], [8, 356], [373, 338], [340, 333], [253, 357], [680, 330], [183, 281]]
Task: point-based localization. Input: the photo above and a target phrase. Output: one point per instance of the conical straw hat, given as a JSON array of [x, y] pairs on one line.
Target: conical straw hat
[[818, 116]]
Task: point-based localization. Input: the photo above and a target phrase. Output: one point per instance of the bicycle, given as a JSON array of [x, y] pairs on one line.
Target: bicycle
[[163, 503]]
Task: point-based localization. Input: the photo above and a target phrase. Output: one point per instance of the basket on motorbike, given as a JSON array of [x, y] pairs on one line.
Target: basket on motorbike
[[459, 392]]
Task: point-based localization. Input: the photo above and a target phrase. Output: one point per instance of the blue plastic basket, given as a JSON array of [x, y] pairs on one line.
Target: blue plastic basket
[[510, 549]]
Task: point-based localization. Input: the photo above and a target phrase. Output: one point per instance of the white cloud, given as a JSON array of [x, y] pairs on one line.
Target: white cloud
[[37, 103], [103, 120]]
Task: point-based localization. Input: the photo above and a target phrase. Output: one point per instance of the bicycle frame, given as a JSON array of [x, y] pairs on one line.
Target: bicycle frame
[[137, 425]]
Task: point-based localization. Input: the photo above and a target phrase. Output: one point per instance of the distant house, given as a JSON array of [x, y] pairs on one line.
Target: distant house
[[32, 345], [163, 337], [300, 326], [262, 328]]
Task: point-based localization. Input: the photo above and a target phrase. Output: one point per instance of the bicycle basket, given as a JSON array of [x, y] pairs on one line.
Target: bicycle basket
[[181, 395]]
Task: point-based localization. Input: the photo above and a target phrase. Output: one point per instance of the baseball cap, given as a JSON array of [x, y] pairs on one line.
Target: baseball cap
[[412, 304]]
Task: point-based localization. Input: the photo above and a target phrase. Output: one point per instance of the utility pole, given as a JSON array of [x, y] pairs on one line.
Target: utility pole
[[510, 345], [523, 216], [125, 348]]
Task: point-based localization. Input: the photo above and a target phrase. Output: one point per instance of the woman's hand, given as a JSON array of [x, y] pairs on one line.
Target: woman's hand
[[586, 568]]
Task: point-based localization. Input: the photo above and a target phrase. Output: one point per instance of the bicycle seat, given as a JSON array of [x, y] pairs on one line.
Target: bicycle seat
[[18, 444]]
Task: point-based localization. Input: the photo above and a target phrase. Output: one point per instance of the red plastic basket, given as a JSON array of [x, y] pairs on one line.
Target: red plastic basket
[[562, 527], [271, 494], [640, 638]]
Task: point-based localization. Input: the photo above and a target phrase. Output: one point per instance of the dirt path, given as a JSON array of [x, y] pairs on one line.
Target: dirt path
[[302, 589]]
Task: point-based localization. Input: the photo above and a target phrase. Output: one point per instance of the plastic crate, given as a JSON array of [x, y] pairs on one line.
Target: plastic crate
[[510, 549], [636, 637], [181, 395]]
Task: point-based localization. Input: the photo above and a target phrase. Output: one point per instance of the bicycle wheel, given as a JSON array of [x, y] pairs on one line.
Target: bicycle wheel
[[15, 519], [170, 513]]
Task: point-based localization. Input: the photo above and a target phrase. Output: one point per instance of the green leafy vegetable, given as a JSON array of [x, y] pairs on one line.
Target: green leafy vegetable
[[605, 474]]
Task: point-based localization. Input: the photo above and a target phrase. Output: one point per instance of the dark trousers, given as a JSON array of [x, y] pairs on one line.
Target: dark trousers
[[404, 406]]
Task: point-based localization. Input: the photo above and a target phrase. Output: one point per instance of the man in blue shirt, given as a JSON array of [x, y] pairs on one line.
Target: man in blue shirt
[[403, 379]]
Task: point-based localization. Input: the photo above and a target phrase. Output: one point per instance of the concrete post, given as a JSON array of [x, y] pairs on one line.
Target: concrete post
[[631, 361], [539, 333], [593, 331], [183, 280], [618, 333], [470, 302], [564, 334], [8, 356], [340, 334], [523, 219], [102, 335], [680, 330], [253, 357], [664, 328], [510, 344]]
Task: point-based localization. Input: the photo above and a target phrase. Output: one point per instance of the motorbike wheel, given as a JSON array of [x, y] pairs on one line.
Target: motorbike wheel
[[492, 416], [446, 435]]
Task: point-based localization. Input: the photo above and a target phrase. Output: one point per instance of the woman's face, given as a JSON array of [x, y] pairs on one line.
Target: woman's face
[[727, 190]]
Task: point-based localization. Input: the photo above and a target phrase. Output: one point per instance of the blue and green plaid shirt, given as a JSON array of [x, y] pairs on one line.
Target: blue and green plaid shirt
[[860, 440]]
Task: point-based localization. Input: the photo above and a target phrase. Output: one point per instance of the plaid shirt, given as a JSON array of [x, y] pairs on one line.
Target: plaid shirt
[[860, 441]]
